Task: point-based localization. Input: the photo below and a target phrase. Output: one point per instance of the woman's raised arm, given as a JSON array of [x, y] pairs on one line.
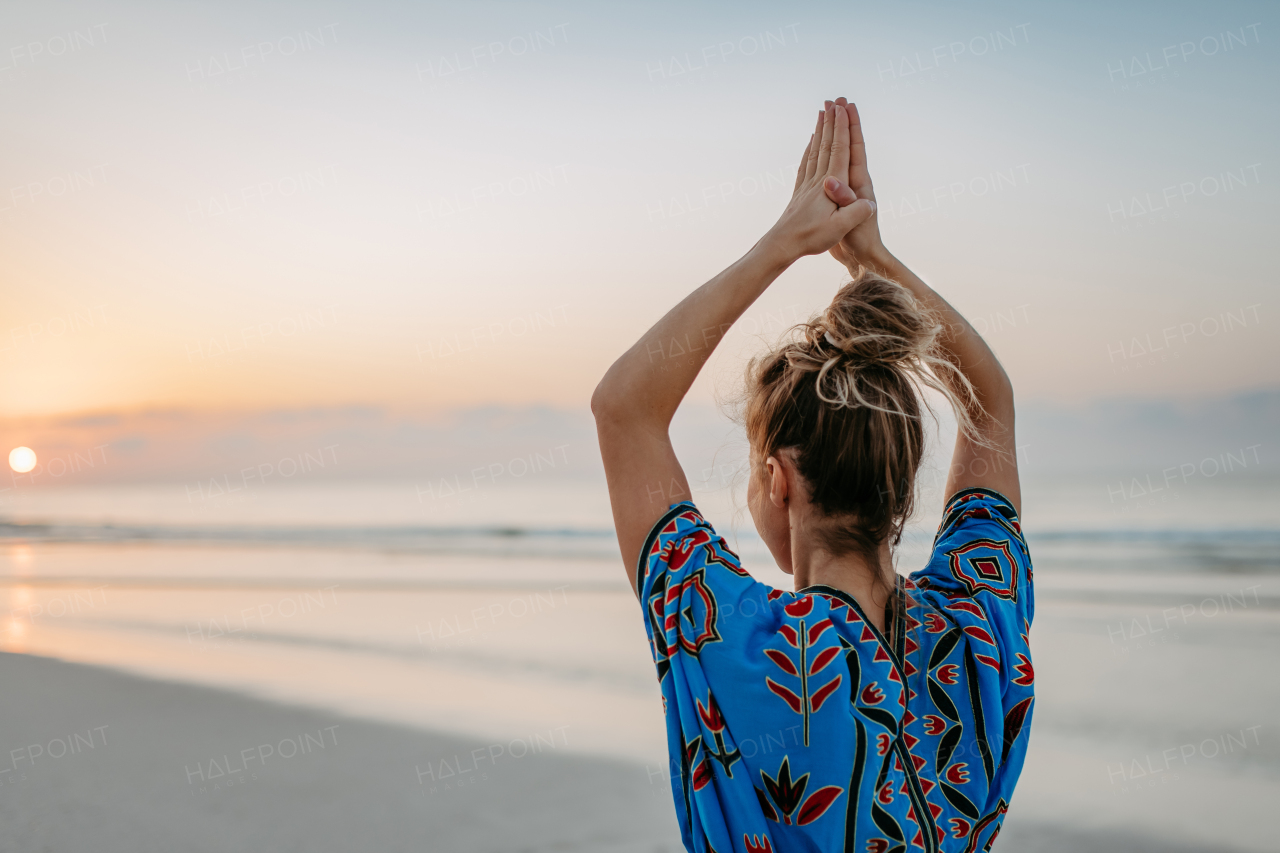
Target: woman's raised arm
[[635, 402]]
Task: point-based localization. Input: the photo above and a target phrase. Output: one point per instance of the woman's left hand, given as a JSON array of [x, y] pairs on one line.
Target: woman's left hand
[[812, 222]]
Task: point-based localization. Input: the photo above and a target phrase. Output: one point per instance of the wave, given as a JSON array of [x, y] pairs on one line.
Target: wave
[[1217, 550], [532, 541]]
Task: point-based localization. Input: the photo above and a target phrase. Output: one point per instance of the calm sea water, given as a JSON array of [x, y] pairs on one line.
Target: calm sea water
[[505, 614]]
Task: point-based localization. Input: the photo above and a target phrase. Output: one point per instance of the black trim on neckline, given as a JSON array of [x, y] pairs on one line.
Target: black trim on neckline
[[893, 650], [897, 655], [916, 791], [900, 624], [642, 562]]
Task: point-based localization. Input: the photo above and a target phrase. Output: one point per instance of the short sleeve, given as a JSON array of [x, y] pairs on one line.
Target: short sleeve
[[694, 590], [708, 623], [980, 573]]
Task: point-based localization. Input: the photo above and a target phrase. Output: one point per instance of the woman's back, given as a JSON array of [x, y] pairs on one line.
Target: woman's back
[[800, 727]]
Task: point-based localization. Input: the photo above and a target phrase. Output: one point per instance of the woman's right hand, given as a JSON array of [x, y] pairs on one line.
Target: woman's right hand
[[862, 244], [813, 223]]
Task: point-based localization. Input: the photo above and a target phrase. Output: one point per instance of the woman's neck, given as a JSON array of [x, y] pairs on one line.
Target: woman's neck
[[869, 585]]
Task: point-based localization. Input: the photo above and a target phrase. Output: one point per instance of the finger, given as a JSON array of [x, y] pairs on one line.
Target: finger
[[828, 135], [859, 176], [804, 163], [838, 191], [838, 167], [853, 215], [811, 164]]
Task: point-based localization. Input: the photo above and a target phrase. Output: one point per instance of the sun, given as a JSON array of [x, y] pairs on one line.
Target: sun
[[22, 459]]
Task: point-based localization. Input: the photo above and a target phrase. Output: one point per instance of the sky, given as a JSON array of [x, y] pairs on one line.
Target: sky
[[228, 207]]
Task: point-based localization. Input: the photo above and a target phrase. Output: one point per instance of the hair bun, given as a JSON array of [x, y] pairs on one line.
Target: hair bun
[[873, 321], [847, 393]]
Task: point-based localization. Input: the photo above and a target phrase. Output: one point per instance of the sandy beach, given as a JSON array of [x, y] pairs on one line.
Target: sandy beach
[[103, 761], [156, 766]]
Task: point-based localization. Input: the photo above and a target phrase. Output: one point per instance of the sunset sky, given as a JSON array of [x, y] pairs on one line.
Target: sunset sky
[[225, 206]]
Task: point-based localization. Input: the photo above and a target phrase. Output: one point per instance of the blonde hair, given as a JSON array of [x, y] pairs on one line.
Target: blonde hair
[[845, 394]]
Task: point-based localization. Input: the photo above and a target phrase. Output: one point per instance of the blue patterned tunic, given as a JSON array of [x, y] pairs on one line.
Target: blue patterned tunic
[[794, 726]]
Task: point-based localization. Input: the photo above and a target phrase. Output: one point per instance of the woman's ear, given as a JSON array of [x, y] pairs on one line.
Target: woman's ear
[[779, 486]]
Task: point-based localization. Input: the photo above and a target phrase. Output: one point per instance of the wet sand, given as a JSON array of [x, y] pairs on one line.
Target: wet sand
[[99, 760]]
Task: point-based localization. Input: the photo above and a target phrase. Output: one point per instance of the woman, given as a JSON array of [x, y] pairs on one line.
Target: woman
[[865, 711]]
